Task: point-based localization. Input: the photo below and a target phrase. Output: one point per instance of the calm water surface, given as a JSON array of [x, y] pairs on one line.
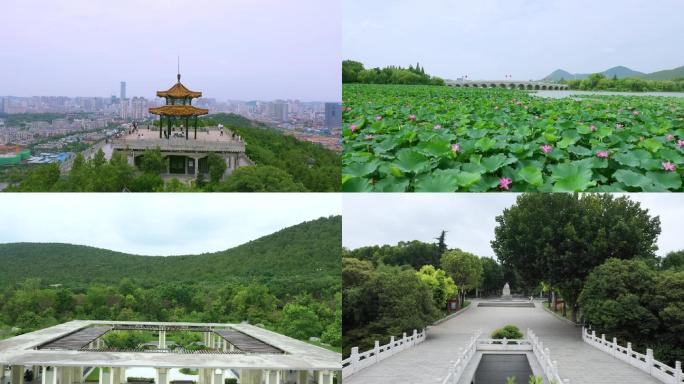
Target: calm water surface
[[562, 94]]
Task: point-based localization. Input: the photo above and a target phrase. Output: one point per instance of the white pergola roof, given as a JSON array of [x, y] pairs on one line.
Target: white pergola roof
[[21, 350]]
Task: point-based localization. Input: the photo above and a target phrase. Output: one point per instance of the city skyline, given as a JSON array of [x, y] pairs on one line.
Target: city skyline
[[248, 50]]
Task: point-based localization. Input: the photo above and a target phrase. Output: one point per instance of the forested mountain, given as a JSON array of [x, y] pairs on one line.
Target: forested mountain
[[668, 74], [620, 72], [301, 257]]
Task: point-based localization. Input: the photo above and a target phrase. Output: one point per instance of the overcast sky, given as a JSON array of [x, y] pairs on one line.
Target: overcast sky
[[376, 219], [237, 49], [528, 39], [157, 224]]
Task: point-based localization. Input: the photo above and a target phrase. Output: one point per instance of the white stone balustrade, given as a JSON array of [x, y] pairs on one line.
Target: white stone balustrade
[[532, 343], [358, 361], [543, 355], [462, 360], [646, 363]]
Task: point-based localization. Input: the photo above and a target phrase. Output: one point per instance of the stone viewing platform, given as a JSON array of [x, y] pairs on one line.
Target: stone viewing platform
[[208, 139], [185, 157]]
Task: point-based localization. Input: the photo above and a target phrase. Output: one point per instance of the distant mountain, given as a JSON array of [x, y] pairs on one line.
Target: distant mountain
[[307, 255], [668, 74], [559, 75], [620, 72]]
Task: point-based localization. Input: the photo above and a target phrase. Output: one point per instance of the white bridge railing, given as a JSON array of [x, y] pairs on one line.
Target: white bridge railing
[[462, 360], [532, 343], [646, 363], [358, 361]]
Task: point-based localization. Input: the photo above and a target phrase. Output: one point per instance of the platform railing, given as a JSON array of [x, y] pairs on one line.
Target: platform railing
[[360, 360], [645, 362]]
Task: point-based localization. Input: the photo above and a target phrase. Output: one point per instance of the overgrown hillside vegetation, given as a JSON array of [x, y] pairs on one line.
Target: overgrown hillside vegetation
[[288, 281], [310, 165], [282, 164]]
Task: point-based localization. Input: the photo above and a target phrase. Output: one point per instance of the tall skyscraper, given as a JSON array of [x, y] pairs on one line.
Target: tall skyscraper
[[123, 90], [280, 111], [2, 105], [333, 115]]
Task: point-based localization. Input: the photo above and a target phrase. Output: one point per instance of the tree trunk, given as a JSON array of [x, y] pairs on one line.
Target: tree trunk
[[575, 308]]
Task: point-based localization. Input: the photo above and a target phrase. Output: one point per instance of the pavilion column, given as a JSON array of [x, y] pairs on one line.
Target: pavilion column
[[43, 375], [302, 377], [161, 126], [267, 376], [17, 374], [217, 377], [54, 378], [162, 339], [103, 376], [186, 127], [65, 374], [195, 127], [162, 376]]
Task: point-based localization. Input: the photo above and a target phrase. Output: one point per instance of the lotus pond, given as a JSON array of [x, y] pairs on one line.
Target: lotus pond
[[439, 139]]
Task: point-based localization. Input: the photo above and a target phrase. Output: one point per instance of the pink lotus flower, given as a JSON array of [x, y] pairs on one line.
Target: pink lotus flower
[[680, 143], [669, 137], [602, 154], [546, 148], [593, 128], [378, 118], [412, 117], [437, 127], [669, 166], [635, 113], [505, 182], [618, 125], [354, 127], [455, 147]]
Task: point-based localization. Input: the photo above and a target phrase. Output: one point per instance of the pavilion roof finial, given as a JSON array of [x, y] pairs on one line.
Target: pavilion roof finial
[[179, 68]]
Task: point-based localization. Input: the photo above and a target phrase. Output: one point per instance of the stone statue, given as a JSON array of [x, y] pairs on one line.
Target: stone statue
[[506, 292]]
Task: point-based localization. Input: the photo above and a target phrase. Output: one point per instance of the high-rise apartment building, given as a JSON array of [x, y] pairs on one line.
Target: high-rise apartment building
[[333, 115]]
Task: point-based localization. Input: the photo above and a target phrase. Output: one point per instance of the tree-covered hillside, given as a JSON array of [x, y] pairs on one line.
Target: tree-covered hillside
[[304, 256], [310, 165], [288, 281]]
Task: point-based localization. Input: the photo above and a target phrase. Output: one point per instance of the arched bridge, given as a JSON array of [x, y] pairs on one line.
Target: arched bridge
[[507, 84]]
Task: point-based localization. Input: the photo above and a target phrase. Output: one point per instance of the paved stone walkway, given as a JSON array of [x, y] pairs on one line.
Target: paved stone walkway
[[428, 362]]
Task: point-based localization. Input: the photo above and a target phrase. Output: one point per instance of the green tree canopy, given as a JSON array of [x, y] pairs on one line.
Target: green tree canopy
[[559, 238], [442, 286], [465, 268], [260, 178]]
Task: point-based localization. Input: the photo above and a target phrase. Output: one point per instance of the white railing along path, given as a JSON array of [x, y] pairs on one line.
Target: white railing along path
[[358, 361], [646, 363]]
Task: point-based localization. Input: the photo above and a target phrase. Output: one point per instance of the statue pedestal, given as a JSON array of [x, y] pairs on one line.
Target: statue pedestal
[[506, 297]]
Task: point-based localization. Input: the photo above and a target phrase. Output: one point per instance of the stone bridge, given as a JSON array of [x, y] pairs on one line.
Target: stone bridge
[[508, 84]]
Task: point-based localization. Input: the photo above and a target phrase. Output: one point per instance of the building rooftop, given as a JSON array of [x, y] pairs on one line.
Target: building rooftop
[[263, 349], [179, 91]]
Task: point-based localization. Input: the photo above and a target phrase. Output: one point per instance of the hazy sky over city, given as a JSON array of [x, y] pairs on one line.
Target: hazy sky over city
[[469, 218], [237, 49], [528, 39], [157, 224]]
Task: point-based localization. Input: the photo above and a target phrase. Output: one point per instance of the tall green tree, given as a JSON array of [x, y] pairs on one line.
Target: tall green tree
[[442, 286], [559, 238], [464, 268]]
